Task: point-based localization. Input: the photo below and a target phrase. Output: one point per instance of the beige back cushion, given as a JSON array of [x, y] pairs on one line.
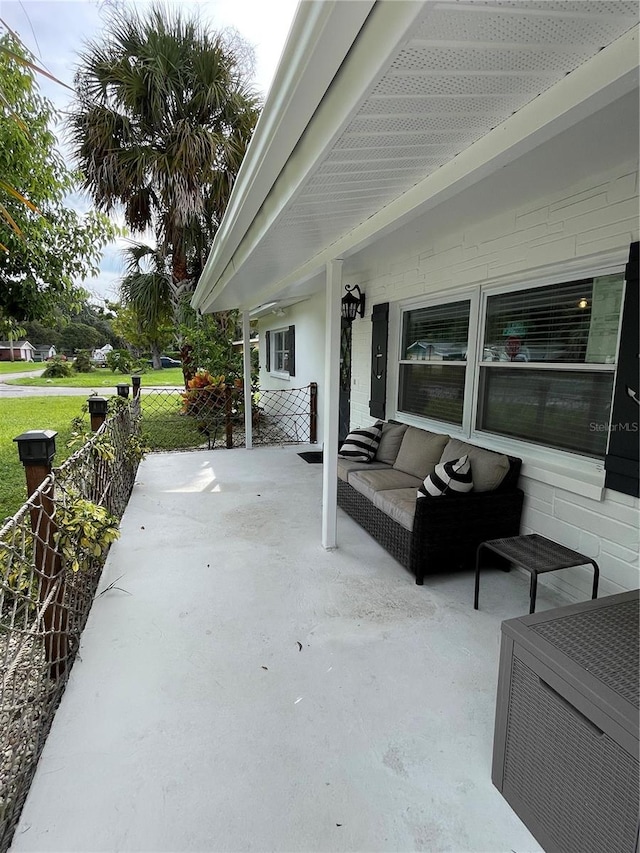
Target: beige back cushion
[[488, 469], [420, 452], [390, 442]]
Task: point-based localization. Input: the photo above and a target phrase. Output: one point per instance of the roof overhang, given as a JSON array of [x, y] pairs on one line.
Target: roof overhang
[[419, 102]]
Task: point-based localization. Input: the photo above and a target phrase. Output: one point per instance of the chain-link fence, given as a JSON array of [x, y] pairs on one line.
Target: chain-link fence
[[215, 417], [51, 556]]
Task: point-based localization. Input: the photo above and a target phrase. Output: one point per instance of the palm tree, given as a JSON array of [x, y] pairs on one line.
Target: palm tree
[[161, 121], [148, 289]]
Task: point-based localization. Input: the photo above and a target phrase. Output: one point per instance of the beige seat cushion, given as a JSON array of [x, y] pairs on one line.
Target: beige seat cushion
[[488, 469], [346, 466], [398, 504], [392, 435], [420, 452], [370, 482]]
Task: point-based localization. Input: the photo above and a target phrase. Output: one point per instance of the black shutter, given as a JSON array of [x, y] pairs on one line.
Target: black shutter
[[292, 350], [621, 462], [267, 343], [379, 334]]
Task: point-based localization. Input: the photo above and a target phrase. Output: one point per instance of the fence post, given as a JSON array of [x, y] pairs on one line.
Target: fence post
[[36, 449], [228, 409], [135, 405], [123, 389], [97, 412], [313, 412]]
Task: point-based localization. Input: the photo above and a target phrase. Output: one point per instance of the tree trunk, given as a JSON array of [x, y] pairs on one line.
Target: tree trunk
[[188, 365], [179, 268], [155, 357], [11, 353]]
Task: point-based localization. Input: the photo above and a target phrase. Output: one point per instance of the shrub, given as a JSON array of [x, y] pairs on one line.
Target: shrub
[[121, 361], [82, 364], [57, 368]]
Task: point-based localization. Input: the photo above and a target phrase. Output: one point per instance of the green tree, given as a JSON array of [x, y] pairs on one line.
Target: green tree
[[79, 336], [147, 290], [131, 329], [207, 344], [40, 333], [161, 121], [45, 244]]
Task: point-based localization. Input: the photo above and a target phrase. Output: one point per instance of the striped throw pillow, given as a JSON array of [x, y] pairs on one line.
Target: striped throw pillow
[[361, 444], [449, 478]]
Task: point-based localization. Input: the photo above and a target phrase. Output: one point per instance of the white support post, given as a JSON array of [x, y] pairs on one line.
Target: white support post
[[246, 358], [331, 404]]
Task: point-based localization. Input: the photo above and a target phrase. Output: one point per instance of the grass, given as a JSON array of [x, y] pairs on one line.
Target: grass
[[171, 432], [164, 428], [18, 415], [102, 378], [19, 366]]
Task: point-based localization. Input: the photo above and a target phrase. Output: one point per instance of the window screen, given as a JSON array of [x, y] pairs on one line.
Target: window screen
[[433, 365], [549, 332], [574, 323]]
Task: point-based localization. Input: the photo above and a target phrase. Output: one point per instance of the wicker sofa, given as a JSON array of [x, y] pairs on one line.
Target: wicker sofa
[[430, 534]]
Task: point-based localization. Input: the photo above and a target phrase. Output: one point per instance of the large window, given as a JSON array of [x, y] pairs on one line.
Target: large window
[[433, 361], [544, 366], [548, 363]]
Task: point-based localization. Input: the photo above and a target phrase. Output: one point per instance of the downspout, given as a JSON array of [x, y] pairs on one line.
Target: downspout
[[248, 396], [331, 404]]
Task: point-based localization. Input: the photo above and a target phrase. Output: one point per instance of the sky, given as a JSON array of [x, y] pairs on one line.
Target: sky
[[55, 30]]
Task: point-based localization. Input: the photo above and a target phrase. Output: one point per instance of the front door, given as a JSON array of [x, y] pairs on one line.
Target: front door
[[344, 415]]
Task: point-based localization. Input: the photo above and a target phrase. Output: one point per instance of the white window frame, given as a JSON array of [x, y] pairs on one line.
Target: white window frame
[[274, 333], [470, 295], [566, 469]]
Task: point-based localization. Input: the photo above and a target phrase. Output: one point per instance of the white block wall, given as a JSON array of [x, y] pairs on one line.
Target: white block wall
[[308, 318], [595, 216]]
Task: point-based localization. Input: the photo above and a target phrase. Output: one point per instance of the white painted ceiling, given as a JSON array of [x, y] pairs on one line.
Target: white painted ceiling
[[464, 68]]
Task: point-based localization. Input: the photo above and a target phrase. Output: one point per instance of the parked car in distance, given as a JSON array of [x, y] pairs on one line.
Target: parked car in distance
[[165, 361]]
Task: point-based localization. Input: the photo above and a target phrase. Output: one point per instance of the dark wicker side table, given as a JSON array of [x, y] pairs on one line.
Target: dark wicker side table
[[535, 554]]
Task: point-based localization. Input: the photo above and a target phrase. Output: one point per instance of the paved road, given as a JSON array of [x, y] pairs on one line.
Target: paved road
[[44, 391], [31, 391], [58, 391]]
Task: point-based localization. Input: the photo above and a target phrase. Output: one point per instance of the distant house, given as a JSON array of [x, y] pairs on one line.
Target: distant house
[[99, 356], [43, 352], [22, 351]]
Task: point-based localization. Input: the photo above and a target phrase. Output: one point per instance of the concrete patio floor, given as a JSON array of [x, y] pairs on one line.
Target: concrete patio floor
[[253, 692]]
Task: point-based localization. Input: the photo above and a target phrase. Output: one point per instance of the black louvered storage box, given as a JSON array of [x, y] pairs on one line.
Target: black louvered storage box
[[565, 753]]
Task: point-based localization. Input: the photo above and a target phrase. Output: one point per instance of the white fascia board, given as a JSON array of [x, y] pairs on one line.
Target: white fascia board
[[320, 37], [386, 27], [607, 76]]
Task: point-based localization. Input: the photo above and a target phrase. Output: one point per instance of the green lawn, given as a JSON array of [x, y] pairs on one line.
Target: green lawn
[[170, 431], [19, 366], [18, 415], [102, 378]]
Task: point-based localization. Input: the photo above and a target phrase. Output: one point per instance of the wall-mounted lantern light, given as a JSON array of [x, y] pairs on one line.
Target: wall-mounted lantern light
[[352, 305]]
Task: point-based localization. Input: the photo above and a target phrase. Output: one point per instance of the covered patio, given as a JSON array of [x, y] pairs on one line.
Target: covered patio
[[246, 689]]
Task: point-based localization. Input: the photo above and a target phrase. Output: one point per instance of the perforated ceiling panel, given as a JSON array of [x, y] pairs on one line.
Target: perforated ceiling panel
[[463, 69]]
